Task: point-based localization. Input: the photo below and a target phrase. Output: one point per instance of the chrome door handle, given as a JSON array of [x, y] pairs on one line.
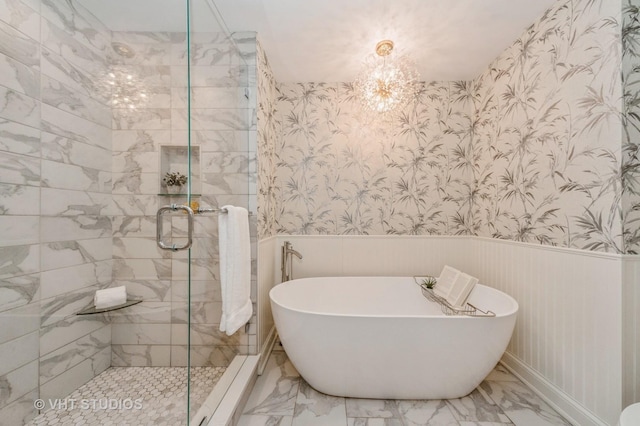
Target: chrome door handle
[[159, 226]]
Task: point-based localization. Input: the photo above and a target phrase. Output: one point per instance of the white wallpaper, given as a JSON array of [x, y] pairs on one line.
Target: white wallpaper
[[529, 151], [630, 174], [343, 172], [268, 131], [549, 132]]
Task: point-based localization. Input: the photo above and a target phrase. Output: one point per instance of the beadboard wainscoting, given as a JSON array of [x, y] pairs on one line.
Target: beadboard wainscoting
[[631, 330], [575, 334], [267, 273]]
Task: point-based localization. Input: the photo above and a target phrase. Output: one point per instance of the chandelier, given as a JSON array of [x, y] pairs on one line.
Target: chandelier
[[123, 88], [387, 81]]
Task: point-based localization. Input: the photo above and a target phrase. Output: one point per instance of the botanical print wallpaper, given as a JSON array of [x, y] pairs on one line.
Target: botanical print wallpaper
[[344, 172], [528, 151], [630, 174], [548, 132], [268, 130]]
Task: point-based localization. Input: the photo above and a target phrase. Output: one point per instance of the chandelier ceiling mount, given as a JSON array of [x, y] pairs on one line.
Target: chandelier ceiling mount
[[387, 81]]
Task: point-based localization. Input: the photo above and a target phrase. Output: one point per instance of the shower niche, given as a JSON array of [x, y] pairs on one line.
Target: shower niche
[[174, 170]]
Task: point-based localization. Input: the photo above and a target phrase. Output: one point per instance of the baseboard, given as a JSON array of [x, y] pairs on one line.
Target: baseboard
[[266, 349], [566, 406]]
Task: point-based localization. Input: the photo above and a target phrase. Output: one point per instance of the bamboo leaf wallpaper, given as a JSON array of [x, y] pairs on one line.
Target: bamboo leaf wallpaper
[[549, 131], [267, 133], [630, 173], [542, 147]]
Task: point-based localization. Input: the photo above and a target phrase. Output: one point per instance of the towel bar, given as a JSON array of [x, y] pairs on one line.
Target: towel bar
[[214, 210]]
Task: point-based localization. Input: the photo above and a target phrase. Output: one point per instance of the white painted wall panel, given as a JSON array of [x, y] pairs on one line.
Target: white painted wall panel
[[631, 330], [266, 255]]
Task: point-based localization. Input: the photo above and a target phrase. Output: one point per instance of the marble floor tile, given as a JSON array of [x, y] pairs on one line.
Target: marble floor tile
[[264, 420], [275, 391], [282, 398], [501, 374], [372, 421], [317, 409], [426, 413], [521, 405], [477, 407], [372, 408]]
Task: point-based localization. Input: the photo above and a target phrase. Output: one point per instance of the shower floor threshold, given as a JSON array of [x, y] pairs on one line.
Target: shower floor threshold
[[236, 393]]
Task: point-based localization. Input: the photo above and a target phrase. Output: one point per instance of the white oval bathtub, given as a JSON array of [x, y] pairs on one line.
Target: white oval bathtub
[[378, 337]]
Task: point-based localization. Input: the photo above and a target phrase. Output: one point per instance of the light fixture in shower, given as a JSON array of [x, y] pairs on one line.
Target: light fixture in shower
[[123, 50], [123, 88], [387, 81]]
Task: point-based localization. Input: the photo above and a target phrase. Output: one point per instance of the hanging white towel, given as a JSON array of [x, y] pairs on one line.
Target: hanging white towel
[[235, 268]]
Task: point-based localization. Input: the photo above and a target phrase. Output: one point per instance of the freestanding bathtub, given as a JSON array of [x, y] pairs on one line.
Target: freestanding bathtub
[[378, 337]]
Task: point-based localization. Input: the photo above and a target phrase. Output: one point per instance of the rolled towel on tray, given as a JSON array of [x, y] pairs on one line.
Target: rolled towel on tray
[[110, 297]]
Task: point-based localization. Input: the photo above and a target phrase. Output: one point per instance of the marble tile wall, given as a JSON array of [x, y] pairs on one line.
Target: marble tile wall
[[55, 193], [154, 333], [79, 185]]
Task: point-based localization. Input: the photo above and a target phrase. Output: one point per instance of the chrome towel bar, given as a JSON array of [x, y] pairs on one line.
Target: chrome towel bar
[[214, 210]]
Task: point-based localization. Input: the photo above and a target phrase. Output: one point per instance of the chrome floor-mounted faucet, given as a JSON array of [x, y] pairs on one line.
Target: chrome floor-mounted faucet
[[287, 261]]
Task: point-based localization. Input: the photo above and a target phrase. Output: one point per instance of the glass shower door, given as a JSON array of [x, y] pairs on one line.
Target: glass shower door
[[147, 74], [108, 105], [218, 125]]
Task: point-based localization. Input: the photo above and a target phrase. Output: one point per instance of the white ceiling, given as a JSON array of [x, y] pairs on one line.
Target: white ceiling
[[153, 15], [327, 40]]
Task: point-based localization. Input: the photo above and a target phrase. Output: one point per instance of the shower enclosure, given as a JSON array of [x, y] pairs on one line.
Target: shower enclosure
[[100, 101]]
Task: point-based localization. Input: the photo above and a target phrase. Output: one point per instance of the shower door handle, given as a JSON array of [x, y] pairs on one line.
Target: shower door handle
[[159, 226]]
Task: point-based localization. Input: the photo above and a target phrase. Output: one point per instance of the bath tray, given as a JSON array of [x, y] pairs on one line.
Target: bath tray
[[446, 307], [91, 311]]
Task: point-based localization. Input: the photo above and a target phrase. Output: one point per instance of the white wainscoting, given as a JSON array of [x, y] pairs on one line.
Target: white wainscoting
[[631, 329], [569, 323], [568, 343], [266, 274]]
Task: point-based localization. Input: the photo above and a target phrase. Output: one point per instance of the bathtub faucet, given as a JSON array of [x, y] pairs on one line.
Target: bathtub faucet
[[287, 261]]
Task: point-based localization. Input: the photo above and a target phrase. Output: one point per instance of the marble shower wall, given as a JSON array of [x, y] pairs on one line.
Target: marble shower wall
[[55, 197], [154, 333]]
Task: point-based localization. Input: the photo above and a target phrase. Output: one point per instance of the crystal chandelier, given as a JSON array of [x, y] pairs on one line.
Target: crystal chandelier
[[123, 88], [387, 81]]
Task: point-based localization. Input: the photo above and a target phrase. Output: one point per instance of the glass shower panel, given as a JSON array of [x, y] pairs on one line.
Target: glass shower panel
[[219, 125], [98, 109]]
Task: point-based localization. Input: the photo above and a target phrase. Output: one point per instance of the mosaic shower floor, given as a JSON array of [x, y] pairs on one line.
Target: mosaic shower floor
[[134, 396]]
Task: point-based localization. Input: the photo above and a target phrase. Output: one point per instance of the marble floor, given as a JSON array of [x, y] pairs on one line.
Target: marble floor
[[282, 398], [134, 396]]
